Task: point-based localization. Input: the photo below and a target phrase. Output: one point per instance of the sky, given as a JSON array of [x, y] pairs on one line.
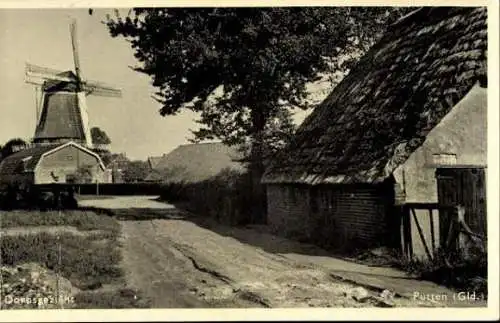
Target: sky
[[41, 37]]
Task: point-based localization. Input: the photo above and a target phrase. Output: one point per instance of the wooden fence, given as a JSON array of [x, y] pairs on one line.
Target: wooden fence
[[108, 188], [453, 234]]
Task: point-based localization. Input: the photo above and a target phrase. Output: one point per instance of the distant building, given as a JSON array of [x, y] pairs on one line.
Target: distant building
[[117, 166], [56, 163], [194, 162], [154, 160], [415, 105]]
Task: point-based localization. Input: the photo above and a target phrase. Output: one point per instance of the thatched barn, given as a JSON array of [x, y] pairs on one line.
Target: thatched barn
[[53, 163], [414, 105], [193, 163]]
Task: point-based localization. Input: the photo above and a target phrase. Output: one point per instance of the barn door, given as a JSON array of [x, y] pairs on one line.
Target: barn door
[[466, 187]]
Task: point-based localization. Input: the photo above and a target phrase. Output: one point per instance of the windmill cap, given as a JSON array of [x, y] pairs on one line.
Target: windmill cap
[[57, 85]]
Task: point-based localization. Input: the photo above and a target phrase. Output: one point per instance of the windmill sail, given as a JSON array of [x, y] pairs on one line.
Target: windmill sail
[[76, 57], [101, 89], [64, 113], [38, 74]]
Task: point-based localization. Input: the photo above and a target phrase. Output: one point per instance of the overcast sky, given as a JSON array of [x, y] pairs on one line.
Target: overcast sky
[[41, 37]]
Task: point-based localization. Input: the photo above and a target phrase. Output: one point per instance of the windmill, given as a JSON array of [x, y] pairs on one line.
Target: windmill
[[61, 100]]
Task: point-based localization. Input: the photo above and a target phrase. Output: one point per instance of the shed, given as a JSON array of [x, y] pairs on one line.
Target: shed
[[415, 102], [52, 163]]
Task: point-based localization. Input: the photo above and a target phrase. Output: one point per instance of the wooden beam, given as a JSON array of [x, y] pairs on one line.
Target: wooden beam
[[431, 221], [408, 248], [426, 206], [460, 219], [421, 234], [451, 234]]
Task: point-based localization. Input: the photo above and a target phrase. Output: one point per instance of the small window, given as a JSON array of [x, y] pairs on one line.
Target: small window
[[69, 157], [444, 159]]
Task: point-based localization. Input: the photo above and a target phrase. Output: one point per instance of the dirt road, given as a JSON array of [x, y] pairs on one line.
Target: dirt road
[[194, 262], [179, 264]]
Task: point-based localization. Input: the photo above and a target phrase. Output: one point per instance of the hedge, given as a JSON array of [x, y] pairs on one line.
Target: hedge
[[225, 197]]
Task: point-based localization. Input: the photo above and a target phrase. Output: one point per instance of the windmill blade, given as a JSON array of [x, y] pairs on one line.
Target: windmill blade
[[33, 71], [34, 81], [101, 89], [74, 44]]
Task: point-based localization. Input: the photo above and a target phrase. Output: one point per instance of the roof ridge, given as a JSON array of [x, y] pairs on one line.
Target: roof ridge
[[202, 143], [407, 16], [399, 90]]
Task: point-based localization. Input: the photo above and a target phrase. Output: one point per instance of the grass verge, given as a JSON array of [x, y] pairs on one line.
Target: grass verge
[[122, 298], [88, 265], [91, 262], [84, 221]]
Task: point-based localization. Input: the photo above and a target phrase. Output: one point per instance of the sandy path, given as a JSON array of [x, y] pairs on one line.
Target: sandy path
[[180, 261], [126, 202], [177, 263]]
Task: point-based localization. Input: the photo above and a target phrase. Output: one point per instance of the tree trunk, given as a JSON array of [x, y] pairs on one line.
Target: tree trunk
[[257, 169]]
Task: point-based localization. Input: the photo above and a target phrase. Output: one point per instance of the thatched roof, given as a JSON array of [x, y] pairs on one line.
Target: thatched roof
[[384, 108], [195, 162], [153, 161], [24, 160]]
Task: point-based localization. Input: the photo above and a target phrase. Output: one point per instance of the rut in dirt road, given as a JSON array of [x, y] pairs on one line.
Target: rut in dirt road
[[154, 269], [177, 263], [169, 276]]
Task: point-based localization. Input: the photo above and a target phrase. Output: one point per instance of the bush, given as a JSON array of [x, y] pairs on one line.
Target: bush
[[453, 270], [225, 197]]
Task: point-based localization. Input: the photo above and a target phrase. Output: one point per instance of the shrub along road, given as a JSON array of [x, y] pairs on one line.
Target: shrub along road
[[194, 262]]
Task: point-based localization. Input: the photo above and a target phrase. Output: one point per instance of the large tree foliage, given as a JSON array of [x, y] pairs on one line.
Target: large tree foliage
[[258, 59], [244, 68]]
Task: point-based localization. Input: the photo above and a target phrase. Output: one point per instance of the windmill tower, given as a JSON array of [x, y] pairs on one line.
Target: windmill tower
[[62, 108]]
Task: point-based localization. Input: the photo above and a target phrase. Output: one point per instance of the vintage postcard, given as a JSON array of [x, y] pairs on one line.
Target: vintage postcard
[[240, 161]]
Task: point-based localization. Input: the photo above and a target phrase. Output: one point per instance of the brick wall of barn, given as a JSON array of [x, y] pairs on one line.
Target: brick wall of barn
[[64, 162], [460, 138], [335, 217]]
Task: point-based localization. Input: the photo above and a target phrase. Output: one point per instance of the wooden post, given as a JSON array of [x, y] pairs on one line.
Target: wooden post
[[433, 238], [421, 234], [460, 235], [408, 243]]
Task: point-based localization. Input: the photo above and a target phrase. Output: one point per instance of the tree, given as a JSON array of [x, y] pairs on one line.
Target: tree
[[100, 140], [83, 174], [136, 171], [12, 146], [99, 137], [242, 67]]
